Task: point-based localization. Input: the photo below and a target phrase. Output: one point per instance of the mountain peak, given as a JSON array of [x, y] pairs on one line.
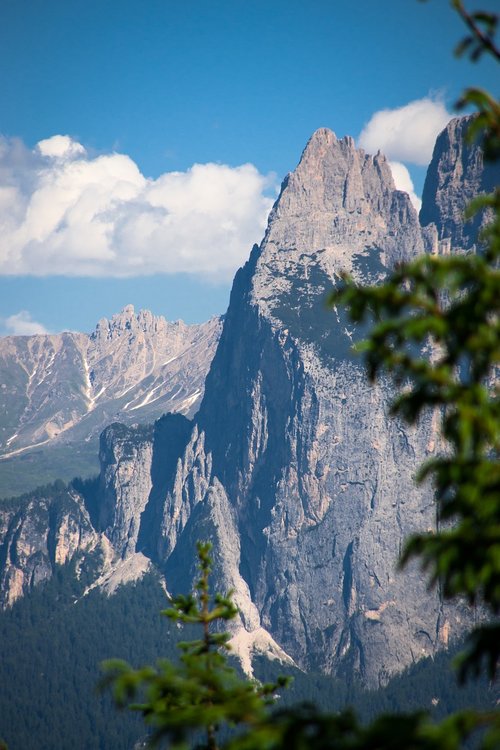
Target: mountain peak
[[128, 320], [322, 146], [339, 202], [294, 467], [455, 176], [321, 137]]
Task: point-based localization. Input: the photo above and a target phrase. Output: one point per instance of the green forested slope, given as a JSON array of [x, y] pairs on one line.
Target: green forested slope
[[53, 641], [51, 647]]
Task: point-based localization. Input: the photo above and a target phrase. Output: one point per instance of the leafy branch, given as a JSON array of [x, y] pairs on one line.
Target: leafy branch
[[483, 26]]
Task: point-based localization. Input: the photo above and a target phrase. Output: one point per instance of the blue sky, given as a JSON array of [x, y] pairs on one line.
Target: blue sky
[[142, 90]]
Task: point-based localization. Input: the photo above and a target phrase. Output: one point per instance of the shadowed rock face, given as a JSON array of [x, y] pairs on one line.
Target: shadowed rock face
[[456, 174], [293, 466]]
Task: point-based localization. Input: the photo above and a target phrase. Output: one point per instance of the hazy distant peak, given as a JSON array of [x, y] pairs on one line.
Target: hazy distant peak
[[128, 320]]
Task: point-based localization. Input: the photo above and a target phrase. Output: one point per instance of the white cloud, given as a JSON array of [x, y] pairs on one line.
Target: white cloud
[[407, 133], [60, 146], [63, 212], [404, 182], [22, 324]]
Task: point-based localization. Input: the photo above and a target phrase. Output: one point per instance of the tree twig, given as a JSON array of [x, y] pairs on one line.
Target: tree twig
[[486, 41]]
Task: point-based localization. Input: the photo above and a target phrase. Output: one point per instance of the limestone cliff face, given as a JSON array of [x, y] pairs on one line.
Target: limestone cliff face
[[457, 174], [299, 450], [38, 534], [292, 465], [125, 483]]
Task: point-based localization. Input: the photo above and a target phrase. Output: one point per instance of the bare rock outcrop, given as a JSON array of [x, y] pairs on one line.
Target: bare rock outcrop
[[38, 534], [456, 175], [294, 441]]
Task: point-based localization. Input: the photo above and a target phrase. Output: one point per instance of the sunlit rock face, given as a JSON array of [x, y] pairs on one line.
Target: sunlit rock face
[[38, 534], [125, 483], [292, 466]]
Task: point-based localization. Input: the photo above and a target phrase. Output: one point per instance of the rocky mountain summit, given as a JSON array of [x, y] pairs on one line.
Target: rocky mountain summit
[[292, 466], [58, 392], [457, 173]]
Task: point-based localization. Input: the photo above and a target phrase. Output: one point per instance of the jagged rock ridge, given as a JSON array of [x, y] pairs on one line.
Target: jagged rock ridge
[[293, 467]]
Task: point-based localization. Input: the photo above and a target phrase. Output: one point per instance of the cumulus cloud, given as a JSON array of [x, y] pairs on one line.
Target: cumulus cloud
[[407, 133], [404, 182], [60, 147], [22, 324], [64, 212]]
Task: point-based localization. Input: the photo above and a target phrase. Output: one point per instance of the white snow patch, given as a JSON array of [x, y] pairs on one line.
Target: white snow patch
[[168, 361], [188, 401], [22, 450], [88, 386], [31, 375], [134, 385], [179, 389], [46, 370], [148, 398]]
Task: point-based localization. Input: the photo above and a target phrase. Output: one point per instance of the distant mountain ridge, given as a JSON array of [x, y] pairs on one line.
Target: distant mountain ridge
[[58, 392]]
